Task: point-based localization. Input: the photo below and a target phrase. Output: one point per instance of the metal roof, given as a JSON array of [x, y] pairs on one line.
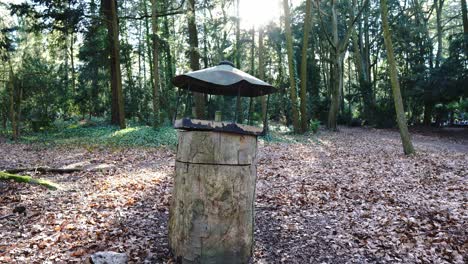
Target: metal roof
[[223, 79]]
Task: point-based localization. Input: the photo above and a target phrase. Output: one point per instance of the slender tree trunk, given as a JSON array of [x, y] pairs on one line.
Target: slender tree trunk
[[401, 118], [72, 61], [195, 56], [361, 61], [336, 83], [11, 88], [154, 26], [18, 111], [126, 54], [305, 45], [292, 79], [110, 12], [238, 55], [140, 51], [252, 72], [283, 93], [261, 73], [148, 48], [4, 110], [365, 86], [67, 82], [169, 66], [337, 53], [205, 39], [252, 51], [438, 7], [366, 48], [240, 115], [335, 73], [465, 25]]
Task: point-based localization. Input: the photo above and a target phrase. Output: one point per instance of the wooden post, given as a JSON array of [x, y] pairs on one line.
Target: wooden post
[[212, 208]]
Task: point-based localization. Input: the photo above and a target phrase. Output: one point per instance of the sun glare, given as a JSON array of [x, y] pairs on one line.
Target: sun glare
[[257, 13]]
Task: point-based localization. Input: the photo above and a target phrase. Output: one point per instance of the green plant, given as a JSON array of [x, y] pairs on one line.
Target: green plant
[[314, 125]]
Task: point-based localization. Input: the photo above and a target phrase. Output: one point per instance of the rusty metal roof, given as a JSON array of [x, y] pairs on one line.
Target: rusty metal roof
[[223, 79]]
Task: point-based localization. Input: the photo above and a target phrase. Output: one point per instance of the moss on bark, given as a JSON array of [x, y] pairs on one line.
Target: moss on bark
[[4, 176]]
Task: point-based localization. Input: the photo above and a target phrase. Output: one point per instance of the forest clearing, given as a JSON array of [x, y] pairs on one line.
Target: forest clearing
[[340, 197], [233, 131]]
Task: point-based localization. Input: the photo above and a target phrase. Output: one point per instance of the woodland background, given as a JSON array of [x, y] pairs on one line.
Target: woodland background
[[86, 105], [114, 60]]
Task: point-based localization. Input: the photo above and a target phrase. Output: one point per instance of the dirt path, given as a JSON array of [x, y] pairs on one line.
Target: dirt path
[[347, 197]]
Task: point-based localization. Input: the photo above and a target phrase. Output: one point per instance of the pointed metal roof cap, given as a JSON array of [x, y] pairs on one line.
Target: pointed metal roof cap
[[223, 79]]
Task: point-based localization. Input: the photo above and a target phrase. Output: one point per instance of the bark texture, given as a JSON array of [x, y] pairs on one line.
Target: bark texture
[[401, 118], [261, 75], [109, 8], [11, 90], [305, 45], [156, 100], [195, 56], [212, 207], [292, 79], [465, 25]]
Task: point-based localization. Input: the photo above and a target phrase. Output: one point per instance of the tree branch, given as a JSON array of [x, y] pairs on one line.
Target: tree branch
[[175, 11], [344, 41], [317, 4]]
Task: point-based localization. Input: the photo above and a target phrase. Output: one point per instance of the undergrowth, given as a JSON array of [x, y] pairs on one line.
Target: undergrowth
[[101, 134], [97, 132]]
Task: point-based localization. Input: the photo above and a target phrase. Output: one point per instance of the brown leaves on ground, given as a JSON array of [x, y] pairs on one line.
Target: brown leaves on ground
[[342, 197]]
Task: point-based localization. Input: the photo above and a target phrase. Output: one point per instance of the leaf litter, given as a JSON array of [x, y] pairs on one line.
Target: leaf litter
[[347, 197]]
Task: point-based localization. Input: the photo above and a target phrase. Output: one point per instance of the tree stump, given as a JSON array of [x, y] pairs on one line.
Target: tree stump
[[212, 208]]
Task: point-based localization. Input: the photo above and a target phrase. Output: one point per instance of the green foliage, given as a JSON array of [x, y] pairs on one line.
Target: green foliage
[[279, 133], [314, 125], [47, 34], [99, 134], [385, 109]]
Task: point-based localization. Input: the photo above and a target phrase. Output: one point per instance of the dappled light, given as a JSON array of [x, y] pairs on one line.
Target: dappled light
[[233, 131]]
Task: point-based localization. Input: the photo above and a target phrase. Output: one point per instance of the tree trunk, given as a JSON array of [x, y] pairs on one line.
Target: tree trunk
[[148, 49], [305, 45], [195, 56], [169, 67], [428, 107], [212, 208], [465, 25], [292, 78], [252, 72], [365, 85], [238, 55], [261, 74], [401, 118], [438, 7], [128, 64], [337, 53], [4, 114], [18, 111], [154, 26], [335, 73], [240, 115], [336, 83], [109, 8], [72, 61], [11, 89]]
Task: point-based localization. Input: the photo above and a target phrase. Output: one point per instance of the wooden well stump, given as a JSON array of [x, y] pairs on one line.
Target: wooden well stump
[[212, 208]]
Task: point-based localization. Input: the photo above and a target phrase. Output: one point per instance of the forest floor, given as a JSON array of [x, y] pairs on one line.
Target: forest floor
[[346, 197]]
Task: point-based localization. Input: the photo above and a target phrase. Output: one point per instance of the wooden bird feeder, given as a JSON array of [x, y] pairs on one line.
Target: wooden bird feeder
[[224, 80], [212, 208]]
